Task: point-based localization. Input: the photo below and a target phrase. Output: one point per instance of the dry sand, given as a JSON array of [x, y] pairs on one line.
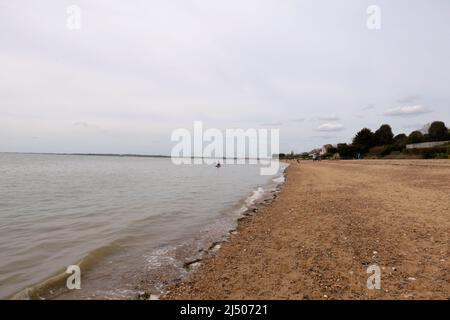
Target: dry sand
[[330, 222]]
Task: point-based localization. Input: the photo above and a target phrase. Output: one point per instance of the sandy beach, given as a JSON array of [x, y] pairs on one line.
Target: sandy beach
[[331, 221]]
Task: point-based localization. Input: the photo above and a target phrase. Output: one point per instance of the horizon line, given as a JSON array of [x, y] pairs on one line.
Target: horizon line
[[125, 155]]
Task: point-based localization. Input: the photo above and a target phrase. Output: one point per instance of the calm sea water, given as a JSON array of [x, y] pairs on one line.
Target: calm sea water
[[131, 223]]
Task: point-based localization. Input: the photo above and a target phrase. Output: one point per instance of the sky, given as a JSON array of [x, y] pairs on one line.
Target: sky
[[137, 70]]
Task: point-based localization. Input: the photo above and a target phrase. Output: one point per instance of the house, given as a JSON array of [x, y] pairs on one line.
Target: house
[[315, 153]]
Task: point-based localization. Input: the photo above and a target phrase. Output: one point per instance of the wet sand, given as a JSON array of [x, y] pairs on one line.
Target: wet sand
[[330, 222]]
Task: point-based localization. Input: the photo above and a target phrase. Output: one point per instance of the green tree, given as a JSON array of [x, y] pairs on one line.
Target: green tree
[[415, 137], [347, 151], [384, 135], [438, 131], [365, 138], [400, 138]]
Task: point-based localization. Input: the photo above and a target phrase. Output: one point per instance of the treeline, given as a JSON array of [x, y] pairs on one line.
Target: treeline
[[382, 142]]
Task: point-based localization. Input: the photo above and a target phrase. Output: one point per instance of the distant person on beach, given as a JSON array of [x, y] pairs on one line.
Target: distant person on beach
[[218, 165]]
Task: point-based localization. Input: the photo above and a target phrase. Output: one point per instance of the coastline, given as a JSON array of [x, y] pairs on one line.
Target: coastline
[[261, 197], [331, 221]]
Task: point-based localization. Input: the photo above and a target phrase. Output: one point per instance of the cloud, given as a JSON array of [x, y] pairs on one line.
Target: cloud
[[409, 99], [414, 126], [329, 118], [326, 136], [273, 124], [407, 111], [299, 120], [81, 124], [327, 127], [369, 107]]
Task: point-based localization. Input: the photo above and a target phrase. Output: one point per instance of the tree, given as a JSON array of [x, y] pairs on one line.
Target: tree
[[384, 135], [438, 131], [347, 151], [365, 138], [415, 137], [400, 141], [400, 138]]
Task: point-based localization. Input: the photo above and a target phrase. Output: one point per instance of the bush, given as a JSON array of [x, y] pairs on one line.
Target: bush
[[435, 153], [348, 151], [391, 148], [441, 156], [376, 151]]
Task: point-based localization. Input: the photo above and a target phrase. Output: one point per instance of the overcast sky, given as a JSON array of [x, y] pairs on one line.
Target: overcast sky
[[137, 70]]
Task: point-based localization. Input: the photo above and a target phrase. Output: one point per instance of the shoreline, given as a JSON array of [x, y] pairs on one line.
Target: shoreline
[[246, 208], [329, 223]]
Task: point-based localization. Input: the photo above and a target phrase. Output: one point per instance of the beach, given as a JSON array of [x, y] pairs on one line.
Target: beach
[[329, 224]]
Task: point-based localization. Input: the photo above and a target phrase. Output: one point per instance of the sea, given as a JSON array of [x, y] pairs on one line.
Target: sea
[[133, 226]]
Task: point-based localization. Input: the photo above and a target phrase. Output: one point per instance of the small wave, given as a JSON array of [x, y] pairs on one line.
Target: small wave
[[243, 209], [280, 179], [257, 194], [58, 280], [161, 257]]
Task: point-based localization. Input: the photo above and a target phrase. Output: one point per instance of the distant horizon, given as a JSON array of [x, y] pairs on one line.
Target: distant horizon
[[129, 155], [156, 155]]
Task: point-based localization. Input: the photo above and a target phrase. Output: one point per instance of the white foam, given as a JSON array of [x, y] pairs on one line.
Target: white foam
[[257, 194], [159, 258], [243, 209], [280, 179]]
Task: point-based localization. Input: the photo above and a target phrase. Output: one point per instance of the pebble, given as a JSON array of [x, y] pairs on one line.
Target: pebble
[[411, 279]]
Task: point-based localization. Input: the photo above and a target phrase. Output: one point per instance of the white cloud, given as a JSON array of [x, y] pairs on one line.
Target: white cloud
[[329, 118], [330, 127], [369, 107], [81, 124], [409, 99], [273, 124], [406, 111]]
